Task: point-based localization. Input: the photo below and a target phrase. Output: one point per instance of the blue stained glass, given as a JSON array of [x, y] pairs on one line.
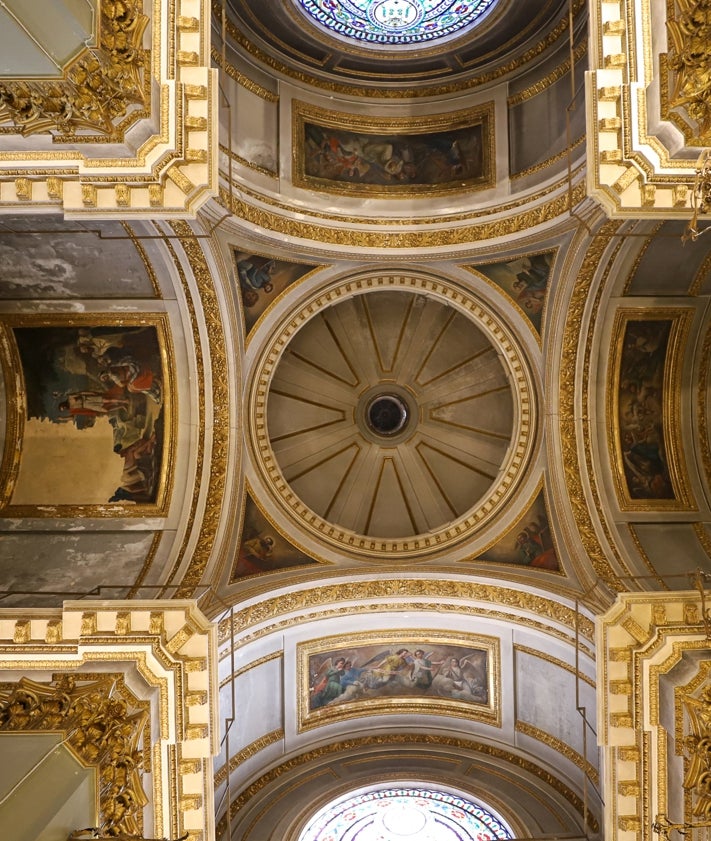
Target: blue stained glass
[[395, 22], [404, 814]]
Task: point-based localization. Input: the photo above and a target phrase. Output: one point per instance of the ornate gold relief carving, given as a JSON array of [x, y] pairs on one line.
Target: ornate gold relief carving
[[697, 749], [103, 725], [104, 89], [404, 741], [689, 65]]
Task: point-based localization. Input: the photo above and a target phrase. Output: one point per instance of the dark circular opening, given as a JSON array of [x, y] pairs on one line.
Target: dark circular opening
[[387, 414]]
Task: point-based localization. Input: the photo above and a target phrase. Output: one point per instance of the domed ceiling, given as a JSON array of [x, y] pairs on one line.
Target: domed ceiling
[[402, 407], [361, 44]]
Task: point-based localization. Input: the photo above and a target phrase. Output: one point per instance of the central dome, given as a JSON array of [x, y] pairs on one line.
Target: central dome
[[390, 414], [395, 23]]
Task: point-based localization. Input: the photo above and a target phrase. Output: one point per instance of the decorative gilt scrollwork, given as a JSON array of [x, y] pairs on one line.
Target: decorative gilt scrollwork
[[689, 61], [98, 87], [697, 750], [99, 727]]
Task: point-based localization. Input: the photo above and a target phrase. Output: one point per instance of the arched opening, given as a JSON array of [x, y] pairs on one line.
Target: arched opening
[[403, 813]]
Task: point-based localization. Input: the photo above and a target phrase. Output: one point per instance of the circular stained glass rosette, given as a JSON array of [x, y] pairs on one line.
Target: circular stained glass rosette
[[404, 814], [395, 23]]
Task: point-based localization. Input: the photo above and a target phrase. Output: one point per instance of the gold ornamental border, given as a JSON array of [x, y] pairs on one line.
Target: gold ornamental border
[[489, 712], [671, 409], [641, 638], [479, 115], [16, 413], [404, 741], [524, 439]]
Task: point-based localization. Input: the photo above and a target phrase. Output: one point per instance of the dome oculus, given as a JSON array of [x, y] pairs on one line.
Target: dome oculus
[[393, 23]]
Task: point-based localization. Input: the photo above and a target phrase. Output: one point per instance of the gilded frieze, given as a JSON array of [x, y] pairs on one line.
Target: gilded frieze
[[572, 463], [210, 312], [403, 741], [424, 594]]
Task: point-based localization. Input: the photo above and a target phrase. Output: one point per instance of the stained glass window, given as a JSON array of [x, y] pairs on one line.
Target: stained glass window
[[395, 22], [404, 814]]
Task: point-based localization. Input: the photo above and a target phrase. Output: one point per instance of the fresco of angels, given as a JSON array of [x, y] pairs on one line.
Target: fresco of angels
[[405, 670]]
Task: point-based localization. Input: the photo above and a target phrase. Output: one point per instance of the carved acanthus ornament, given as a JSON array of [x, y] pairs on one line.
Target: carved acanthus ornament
[[99, 87], [697, 752], [689, 63], [99, 727]]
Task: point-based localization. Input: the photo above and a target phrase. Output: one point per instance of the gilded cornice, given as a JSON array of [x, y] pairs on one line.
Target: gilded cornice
[[413, 222], [562, 748], [241, 79], [432, 592], [403, 741], [439, 237], [243, 755], [550, 78], [169, 95], [569, 366]]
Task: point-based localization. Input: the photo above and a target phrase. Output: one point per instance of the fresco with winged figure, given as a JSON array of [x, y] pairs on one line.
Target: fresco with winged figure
[[397, 670]]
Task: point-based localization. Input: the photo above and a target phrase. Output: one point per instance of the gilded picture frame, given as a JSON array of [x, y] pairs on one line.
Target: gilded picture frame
[[96, 390], [378, 157], [644, 409], [396, 672]]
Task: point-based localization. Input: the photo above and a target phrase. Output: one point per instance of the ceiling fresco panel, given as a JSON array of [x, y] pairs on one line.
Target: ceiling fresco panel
[[644, 409], [45, 257], [96, 387]]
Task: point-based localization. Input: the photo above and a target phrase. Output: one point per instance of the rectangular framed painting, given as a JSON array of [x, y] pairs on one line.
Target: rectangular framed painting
[[397, 672], [358, 155], [90, 422], [644, 409]]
